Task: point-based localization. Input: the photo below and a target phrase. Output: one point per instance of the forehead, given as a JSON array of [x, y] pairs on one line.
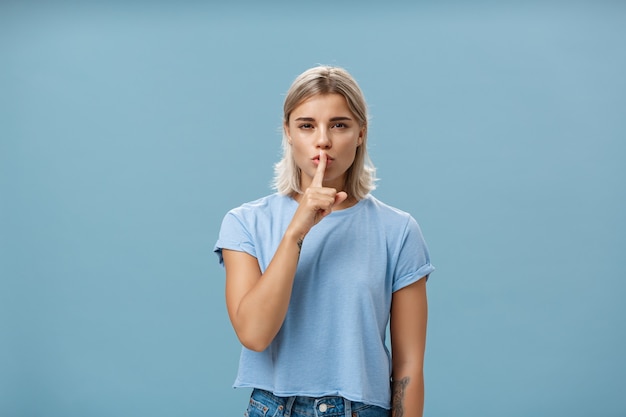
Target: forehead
[[323, 105]]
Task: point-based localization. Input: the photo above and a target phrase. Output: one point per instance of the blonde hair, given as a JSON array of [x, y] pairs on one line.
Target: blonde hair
[[360, 176]]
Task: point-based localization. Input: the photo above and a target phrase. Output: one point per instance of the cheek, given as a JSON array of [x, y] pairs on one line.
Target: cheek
[[298, 154], [296, 149]]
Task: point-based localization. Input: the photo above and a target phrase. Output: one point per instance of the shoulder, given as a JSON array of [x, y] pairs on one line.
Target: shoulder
[[392, 219], [244, 217], [385, 211], [263, 211], [261, 205]]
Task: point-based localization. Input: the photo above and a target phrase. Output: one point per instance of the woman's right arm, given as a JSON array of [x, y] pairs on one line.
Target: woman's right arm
[[257, 303]]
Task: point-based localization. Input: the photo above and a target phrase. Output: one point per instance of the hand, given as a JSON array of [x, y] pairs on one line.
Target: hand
[[317, 201]]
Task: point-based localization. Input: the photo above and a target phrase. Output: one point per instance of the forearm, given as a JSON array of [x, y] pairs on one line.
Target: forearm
[[262, 310], [407, 394], [258, 303], [409, 317]]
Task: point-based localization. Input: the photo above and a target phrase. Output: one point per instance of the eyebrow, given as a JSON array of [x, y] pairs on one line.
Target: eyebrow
[[333, 119]]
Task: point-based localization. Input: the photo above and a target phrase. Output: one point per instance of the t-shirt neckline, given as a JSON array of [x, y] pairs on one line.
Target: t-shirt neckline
[[336, 213]]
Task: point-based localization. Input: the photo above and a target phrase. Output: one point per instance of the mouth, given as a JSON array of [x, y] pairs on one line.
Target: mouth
[[316, 160]]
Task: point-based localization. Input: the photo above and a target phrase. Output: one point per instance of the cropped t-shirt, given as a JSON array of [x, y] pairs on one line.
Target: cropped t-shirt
[[333, 339]]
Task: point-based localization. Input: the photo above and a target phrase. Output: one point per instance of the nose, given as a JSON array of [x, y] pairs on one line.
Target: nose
[[323, 140]]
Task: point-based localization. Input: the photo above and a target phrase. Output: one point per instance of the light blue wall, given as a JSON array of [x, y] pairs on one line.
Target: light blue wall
[[128, 130]]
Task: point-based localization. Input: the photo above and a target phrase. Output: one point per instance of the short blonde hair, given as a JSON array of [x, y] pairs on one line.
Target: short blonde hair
[[327, 80]]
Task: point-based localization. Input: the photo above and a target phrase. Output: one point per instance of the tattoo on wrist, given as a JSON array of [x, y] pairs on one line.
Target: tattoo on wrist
[[398, 388], [300, 244]]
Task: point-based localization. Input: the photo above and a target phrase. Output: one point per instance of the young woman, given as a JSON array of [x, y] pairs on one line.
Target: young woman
[[316, 271]]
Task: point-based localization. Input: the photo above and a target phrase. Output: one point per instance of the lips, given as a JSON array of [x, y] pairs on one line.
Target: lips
[[316, 160]]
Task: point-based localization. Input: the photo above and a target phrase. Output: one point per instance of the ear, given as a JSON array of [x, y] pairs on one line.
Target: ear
[[359, 140], [286, 131]]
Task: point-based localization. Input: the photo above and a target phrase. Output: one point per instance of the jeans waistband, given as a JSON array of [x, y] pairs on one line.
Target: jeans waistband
[[327, 406]]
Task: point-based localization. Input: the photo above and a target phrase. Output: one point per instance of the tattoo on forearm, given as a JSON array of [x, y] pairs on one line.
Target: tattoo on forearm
[[398, 388]]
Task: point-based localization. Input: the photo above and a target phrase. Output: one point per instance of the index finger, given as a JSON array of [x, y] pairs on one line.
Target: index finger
[[321, 168]]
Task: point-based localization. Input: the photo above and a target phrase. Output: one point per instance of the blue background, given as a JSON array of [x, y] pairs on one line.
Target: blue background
[[128, 129]]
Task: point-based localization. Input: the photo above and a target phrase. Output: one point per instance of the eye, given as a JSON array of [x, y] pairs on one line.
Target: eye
[[305, 126], [340, 125]]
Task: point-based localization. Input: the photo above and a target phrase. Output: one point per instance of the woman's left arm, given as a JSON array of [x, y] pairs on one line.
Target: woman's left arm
[[409, 315]]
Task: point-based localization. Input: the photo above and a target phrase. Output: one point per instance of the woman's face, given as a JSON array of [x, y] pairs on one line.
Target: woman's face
[[324, 122]]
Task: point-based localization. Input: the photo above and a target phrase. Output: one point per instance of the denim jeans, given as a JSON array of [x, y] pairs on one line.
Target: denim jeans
[[266, 404]]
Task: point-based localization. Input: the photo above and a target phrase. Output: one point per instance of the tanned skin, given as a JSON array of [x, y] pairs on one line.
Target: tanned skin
[[398, 390], [409, 313]]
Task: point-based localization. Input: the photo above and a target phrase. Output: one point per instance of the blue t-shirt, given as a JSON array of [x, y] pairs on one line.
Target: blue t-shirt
[[332, 341]]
